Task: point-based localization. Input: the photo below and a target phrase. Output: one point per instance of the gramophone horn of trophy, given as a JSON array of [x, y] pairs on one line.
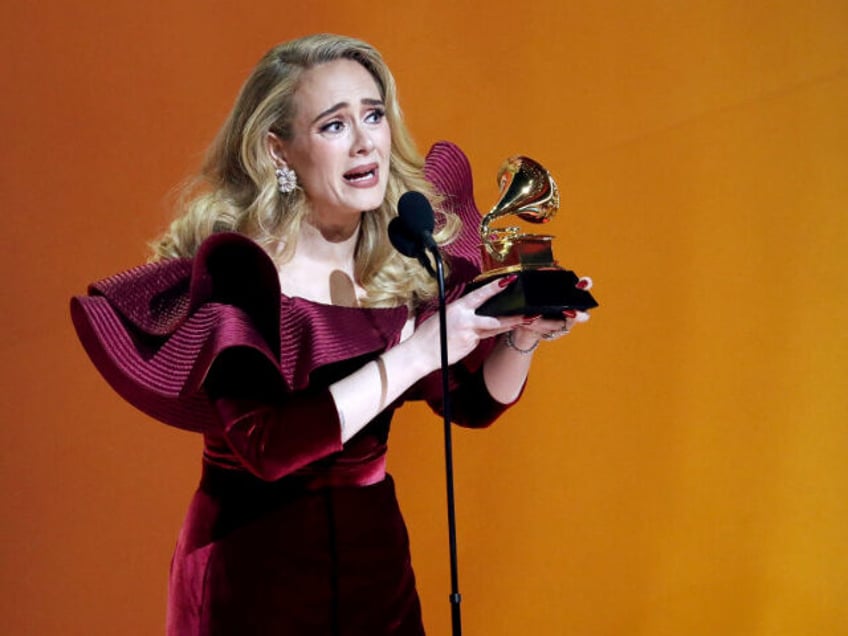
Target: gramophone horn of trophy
[[541, 287]]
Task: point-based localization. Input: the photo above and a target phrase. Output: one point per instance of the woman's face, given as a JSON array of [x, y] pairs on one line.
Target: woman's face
[[341, 142]]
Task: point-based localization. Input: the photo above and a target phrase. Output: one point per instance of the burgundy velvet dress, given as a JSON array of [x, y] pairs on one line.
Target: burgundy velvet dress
[[289, 532]]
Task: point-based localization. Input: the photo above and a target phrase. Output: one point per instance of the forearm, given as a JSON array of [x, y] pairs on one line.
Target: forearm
[[274, 440], [362, 395], [365, 393], [505, 370]]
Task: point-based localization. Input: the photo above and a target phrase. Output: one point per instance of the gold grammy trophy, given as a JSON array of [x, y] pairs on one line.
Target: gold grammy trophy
[[542, 287]]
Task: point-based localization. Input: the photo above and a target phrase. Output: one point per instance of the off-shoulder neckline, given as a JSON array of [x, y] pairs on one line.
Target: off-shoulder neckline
[[322, 305]]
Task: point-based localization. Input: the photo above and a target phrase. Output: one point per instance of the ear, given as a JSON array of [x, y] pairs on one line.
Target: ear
[[277, 149]]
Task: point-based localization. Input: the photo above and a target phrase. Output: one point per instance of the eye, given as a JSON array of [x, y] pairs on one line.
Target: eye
[[375, 116], [334, 126]]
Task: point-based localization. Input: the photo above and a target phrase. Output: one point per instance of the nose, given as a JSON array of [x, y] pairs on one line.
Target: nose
[[362, 142]]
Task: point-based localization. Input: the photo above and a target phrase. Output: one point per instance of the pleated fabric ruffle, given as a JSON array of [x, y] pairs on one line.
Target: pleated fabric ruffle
[[155, 331]]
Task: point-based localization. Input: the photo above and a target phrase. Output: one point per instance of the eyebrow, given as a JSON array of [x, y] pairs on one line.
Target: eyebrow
[[366, 102]]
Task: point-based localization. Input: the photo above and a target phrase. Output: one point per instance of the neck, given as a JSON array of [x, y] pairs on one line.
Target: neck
[[322, 266], [334, 244]]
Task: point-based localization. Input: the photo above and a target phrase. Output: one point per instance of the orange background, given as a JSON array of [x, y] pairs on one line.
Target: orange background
[[678, 466]]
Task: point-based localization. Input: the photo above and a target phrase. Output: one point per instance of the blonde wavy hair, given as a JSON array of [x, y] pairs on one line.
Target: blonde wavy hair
[[236, 189]]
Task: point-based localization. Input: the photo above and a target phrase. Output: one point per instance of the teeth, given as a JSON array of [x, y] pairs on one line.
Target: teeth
[[360, 176]]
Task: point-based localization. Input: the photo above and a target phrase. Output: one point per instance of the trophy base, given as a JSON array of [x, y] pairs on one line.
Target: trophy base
[[538, 292]]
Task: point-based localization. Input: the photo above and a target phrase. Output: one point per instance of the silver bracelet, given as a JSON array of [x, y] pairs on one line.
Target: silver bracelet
[[511, 344]]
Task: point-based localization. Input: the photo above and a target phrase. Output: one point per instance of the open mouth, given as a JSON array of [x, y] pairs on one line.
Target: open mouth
[[364, 173]]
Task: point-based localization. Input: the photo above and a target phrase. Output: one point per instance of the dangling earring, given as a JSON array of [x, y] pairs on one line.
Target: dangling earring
[[286, 180]]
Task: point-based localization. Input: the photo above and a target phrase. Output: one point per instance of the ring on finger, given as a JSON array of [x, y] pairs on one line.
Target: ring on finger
[[551, 335]]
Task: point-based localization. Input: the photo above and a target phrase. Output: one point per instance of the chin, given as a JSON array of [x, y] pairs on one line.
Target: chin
[[373, 201]]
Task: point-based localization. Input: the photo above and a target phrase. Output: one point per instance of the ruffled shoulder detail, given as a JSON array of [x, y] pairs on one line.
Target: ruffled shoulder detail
[[157, 298], [448, 169], [155, 331]]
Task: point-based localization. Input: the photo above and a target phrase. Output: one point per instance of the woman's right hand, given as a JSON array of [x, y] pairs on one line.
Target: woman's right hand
[[465, 328], [366, 392]]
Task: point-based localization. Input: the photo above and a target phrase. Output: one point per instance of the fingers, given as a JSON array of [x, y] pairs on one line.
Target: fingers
[[466, 328], [576, 315], [585, 283], [570, 317], [479, 327], [489, 326], [551, 328], [480, 295], [504, 324]]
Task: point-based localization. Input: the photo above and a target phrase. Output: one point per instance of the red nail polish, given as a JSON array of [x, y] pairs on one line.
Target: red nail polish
[[506, 280], [582, 284], [569, 313]]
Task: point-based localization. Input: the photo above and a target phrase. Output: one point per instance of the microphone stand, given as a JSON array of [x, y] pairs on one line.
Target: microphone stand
[[455, 597], [410, 233]]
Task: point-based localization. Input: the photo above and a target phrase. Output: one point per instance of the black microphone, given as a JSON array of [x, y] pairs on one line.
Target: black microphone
[[411, 232], [403, 240], [417, 214]]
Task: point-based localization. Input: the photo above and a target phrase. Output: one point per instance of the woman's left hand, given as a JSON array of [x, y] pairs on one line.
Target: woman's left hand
[[505, 370], [537, 328]]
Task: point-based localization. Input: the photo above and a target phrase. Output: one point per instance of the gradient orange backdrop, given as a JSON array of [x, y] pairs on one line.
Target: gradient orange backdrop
[[678, 466]]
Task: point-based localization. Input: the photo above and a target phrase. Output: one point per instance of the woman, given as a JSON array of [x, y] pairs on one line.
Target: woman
[[279, 322]]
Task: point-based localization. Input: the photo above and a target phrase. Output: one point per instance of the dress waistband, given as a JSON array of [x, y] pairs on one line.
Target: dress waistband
[[220, 481]]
